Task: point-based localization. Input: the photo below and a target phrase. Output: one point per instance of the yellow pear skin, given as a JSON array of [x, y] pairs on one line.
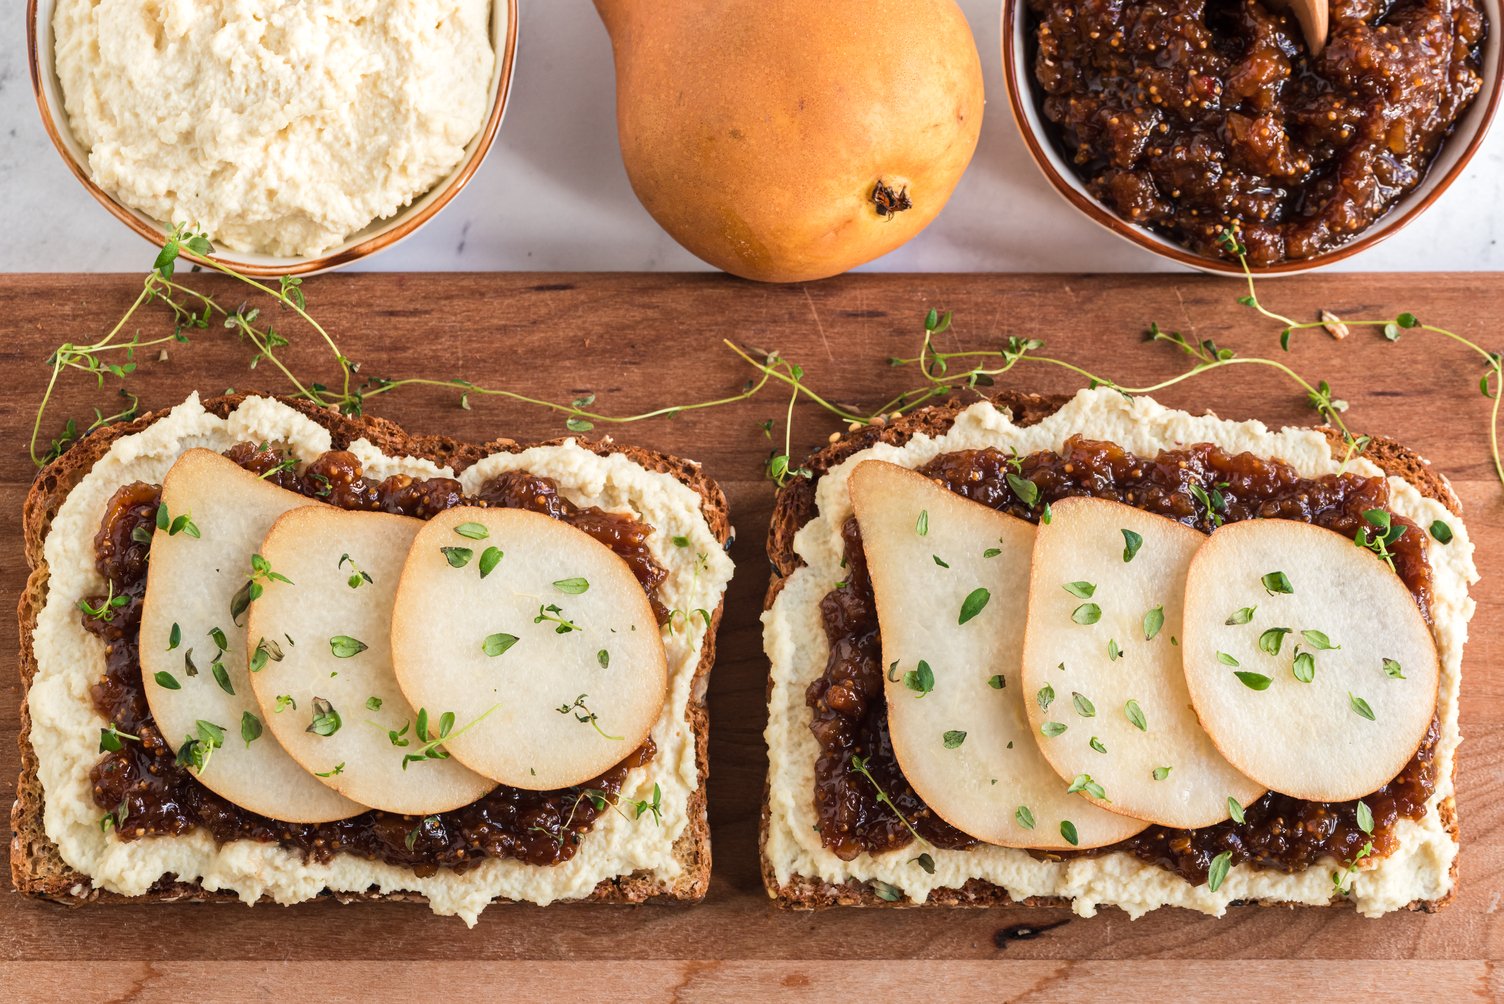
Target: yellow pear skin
[[785, 140]]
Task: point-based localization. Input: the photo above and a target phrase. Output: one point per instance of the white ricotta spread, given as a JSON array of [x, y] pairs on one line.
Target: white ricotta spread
[[65, 726], [278, 126], [1420, 869]]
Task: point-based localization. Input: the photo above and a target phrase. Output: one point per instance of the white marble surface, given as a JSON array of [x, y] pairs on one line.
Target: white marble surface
[[553, 194]]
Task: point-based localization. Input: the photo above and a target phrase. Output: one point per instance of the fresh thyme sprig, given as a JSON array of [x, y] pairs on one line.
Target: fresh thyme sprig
[[432, 747], [582, 713], [193, 310], [859, 765], [1491, 384], [261, 573], [981, 368], [1342, 880], [944, 373], [601, 801], [108, 606]]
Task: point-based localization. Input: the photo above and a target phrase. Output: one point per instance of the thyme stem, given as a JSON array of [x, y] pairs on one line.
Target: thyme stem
[[193, 309]]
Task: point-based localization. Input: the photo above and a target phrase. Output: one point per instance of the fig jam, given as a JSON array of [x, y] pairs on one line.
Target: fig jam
[[849, 715], [1193, 117], [144, 792]]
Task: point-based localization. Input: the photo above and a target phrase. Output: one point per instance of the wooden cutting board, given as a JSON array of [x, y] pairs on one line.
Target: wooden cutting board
[[645, 341]]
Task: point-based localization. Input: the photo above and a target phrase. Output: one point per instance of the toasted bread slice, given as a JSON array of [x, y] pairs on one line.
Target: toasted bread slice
[[37, 863], [797, 878]]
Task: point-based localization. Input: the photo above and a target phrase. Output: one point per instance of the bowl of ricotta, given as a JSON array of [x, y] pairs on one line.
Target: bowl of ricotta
[[300, 136]]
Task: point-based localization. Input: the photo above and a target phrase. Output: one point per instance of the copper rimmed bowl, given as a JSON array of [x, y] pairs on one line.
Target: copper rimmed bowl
[[378, 236], [1450, 161]]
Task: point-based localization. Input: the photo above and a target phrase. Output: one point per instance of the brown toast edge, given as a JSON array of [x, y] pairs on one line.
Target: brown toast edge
[[37, 868], [795, 506]]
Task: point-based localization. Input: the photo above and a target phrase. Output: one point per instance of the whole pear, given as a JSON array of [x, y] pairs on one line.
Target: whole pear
[[784, 140]]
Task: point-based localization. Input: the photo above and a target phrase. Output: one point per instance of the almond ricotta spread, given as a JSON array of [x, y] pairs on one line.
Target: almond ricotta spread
[[278, 126], [65, 726], [1420, 868]]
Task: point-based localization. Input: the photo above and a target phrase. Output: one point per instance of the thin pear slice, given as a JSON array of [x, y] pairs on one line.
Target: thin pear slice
[[551, 661], [322, 662], [962, 738], [198, 690], [1370, 676], [1102, 672]]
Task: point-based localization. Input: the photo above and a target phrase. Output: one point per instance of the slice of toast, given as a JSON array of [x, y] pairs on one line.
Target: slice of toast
[[37, 866], [797, 505]]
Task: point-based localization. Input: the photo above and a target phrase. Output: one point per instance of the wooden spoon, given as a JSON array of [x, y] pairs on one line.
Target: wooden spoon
[[1313, 16]]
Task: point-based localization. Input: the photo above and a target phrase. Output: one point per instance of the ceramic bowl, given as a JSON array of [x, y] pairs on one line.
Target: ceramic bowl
[[1449, 163], [379, 236]]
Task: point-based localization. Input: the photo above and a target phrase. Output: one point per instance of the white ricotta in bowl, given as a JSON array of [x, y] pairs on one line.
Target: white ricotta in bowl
[[278, 126]]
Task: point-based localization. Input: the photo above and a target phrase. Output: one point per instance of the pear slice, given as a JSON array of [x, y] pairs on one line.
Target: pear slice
[[551, 662], [1101, 659], [1364, 707], [321, 663], [193, 653], [955, 702]]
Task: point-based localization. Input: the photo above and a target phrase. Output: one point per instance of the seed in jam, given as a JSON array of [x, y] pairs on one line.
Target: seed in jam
[[849, 711]]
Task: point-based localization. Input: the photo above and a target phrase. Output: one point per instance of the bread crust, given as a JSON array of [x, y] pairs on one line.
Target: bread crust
[[38, 870], [795, 506]]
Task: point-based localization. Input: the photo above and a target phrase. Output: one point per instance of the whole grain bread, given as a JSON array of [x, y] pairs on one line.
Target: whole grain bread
[[38, 870], [796, 505]]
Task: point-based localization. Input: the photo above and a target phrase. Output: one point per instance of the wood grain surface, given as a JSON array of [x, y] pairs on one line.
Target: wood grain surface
[[640, 342]]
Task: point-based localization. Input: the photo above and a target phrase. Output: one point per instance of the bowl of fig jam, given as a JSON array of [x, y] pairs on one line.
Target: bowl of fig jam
[[1174, 123]]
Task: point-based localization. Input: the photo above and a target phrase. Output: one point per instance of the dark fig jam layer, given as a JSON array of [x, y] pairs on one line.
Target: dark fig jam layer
[[850, 715], [144, 792], [1192, 117]]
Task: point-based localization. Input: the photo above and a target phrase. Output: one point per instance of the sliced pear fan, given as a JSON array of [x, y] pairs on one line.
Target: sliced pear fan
[[194, 653], [1307, 659], [322, 665], [950, 578], [536, 637], [1102, 673]]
